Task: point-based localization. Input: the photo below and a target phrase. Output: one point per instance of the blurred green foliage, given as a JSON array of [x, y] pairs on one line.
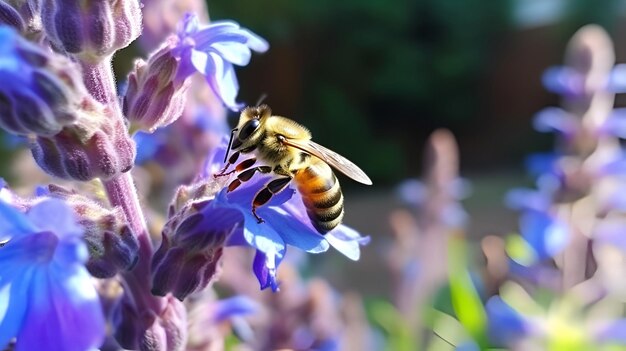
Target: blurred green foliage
[[581, 12]]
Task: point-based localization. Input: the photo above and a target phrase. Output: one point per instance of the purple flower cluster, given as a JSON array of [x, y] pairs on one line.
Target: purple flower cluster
[[78, 269]]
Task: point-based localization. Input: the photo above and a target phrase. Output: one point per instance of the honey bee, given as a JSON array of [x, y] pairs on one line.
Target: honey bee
[[284, 148]]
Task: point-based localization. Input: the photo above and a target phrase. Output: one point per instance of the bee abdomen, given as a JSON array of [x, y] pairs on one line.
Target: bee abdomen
[[321, 195]]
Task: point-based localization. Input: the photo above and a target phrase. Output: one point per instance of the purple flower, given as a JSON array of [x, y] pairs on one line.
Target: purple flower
[[47, 299], [45, 90], [286, 224], [505, 323], [212, 51], [545, 233]]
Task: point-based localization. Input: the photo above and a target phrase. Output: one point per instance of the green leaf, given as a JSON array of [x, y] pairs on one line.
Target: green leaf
[[448, 331], [385, 315], [520, 250], [465, 300]]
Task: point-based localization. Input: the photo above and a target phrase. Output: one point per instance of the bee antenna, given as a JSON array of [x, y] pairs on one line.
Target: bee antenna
[[230, 143], [261, 99]]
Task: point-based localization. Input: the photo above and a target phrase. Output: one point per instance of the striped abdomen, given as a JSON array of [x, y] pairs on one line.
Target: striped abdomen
[[321, 195]]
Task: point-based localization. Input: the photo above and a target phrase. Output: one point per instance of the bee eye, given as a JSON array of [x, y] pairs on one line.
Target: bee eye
[[248, 129]]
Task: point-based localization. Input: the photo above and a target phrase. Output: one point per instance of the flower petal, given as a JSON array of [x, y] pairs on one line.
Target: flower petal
[[29, 249], [546, 234], [236, 305], [188, 25], [617, 79], [505, 324], [294, 232], [615, 332], [218, 32], [13, 222], [553, 119], [347, 241], [64, 313], [264, 267], [236, 53], [200, 61], [255, 42], [14, 285], [224, 82], [54, 215], [563, 80]]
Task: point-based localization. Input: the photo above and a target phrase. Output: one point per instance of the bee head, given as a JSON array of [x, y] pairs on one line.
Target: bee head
[[254, 112], [250, 120]]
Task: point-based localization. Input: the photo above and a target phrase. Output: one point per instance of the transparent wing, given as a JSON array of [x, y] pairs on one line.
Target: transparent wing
[[341, 163]]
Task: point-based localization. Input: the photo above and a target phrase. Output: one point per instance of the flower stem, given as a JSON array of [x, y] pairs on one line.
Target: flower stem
[[121, 191]]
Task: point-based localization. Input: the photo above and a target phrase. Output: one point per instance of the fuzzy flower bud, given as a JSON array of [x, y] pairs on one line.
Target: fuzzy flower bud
[[96, 147], [10, 17], [166, 331], [45, 90], [110, 241], [156, 92], [192, 243], [92, 29], [23, 15]]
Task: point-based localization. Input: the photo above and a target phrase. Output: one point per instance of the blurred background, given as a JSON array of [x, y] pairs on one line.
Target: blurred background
[[373, 78]]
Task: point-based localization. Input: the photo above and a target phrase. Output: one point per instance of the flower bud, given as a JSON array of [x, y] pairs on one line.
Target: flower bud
[[111, 243], [138, 329], [169, 329], [192, 243], [23, 15], [91, 29], [95, 147], [45, 89], [10, 17], [156, 92]]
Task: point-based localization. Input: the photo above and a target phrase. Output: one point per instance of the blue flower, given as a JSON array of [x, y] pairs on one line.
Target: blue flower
[[45, 90], [47, 299], [505, 323], [286, 224], [213, 50]]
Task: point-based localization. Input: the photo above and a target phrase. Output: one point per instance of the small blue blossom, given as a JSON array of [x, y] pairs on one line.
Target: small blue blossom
[[286, 224], [47, 299], [212, 51], [45, 91], [545, 233]]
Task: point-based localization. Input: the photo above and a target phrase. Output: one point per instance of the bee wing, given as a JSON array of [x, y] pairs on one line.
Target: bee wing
[[341, 163]]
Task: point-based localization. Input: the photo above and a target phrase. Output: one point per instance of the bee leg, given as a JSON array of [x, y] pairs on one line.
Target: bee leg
[[246, 175], [245, 164], [231, 160], [264, 195]]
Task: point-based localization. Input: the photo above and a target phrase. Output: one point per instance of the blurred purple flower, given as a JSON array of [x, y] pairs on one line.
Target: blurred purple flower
[[47, 298], [569, 82], [544, 232], [505, 323], [554, 119], [564, 81], [212, 51], [514, 316]]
